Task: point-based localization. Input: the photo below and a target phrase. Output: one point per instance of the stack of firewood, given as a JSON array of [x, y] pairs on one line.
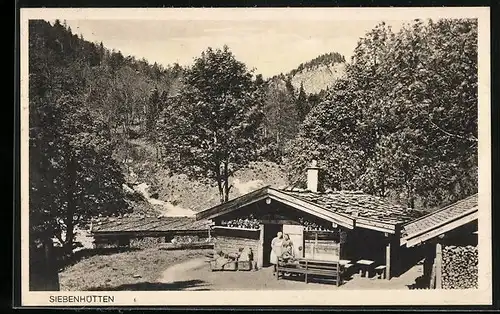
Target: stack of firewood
[[460, 267]]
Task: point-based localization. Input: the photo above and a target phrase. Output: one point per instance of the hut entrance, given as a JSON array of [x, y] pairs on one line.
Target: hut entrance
[[296, 234], [270, 231]]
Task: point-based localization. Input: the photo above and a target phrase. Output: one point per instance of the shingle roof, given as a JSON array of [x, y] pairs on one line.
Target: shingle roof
[[365, 205], [440, 216], [139, 224]]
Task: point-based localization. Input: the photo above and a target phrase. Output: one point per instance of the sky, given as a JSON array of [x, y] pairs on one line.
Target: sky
[[270, 47]]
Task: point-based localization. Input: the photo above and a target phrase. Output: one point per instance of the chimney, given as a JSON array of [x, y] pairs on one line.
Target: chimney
[[312, 177]]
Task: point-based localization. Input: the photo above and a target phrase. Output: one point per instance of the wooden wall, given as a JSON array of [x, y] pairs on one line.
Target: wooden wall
[[365, 244], [322, 250], [322, 245]]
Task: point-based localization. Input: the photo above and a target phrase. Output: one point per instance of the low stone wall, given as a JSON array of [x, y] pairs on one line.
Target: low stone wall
[[111, 242], [146, 242], [231, 245], [459, 269]]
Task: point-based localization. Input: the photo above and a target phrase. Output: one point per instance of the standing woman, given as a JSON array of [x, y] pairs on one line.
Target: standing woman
[[276, 249]]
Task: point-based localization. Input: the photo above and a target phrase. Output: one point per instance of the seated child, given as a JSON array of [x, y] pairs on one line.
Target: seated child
[[288, 252]]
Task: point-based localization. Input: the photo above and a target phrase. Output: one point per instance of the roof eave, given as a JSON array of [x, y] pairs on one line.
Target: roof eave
[[442, 209], [429, 233], [231, 205]]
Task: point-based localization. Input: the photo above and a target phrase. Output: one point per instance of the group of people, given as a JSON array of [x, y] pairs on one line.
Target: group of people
[[281, 246]]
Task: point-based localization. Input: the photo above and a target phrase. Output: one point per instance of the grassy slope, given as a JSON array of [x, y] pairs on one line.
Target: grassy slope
[[116, 271]]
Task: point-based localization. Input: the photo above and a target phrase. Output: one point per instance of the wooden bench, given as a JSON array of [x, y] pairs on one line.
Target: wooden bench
[[380, 271], [311, 267]]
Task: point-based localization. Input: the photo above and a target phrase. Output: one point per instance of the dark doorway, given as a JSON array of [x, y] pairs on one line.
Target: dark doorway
[[270, 231]]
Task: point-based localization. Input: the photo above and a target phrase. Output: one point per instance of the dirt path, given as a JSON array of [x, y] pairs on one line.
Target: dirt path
[[182, 271]]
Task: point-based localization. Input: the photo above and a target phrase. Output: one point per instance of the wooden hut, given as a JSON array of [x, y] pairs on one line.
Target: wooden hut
[[347, 226], [146, 231], [447, 239]]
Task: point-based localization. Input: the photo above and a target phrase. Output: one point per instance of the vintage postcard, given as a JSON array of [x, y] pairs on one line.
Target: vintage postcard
[[255, 156]]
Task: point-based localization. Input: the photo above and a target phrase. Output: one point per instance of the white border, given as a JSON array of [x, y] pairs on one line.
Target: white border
[[481, 296]]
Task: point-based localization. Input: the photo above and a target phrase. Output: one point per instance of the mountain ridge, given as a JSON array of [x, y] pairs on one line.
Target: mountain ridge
[[315, 75]]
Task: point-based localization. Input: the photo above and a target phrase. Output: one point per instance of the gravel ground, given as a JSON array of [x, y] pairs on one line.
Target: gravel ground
[[154, 269], [195, 275]]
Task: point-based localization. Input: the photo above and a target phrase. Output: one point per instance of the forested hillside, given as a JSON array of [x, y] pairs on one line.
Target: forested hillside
[[99, 124], [403, 120], [86, 103], [290, 97]]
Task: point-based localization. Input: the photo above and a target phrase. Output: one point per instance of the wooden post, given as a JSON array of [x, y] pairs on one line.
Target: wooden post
[[388, 261], [315, 246], [433, 276], [429, 262], [439, 265], [260, 251], [392, 252]]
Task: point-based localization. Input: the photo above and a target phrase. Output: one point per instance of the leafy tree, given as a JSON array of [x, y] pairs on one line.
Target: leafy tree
[[289, 88], [281, 120], [74, 177], [259, 80], [152, 111], [302, 104], [84, 99], [330, 135], [152, 115], [116, 60], [412, 133], [212, 129]]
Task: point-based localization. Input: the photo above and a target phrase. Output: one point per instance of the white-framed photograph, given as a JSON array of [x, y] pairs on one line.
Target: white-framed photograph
[[255, 156]]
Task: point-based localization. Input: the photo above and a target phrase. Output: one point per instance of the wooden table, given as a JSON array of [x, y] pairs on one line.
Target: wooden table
[[364, 265]]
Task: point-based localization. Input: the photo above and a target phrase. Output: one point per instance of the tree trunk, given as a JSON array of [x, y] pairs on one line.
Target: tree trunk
[[382, 188], [410, 195], [71, 209], [43, 266], [51, 266], [411, 202], [219, 183], [157, 152], [226, 182], [221, 191]]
